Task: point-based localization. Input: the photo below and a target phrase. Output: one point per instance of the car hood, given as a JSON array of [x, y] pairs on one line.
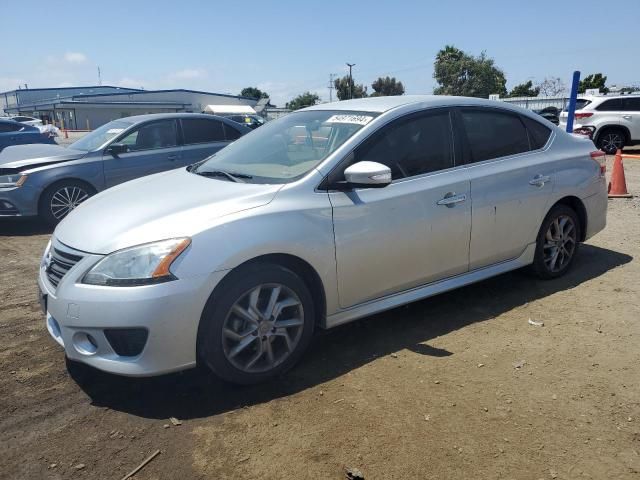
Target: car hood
[[172, 204], [23, 157]]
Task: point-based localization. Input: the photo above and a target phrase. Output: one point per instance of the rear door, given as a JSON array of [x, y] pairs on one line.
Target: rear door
[[202, 137], [415, 230], [511, 182], [631, 116], [152, 147]]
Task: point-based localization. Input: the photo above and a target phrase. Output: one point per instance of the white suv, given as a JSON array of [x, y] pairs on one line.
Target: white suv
[[612, 122]]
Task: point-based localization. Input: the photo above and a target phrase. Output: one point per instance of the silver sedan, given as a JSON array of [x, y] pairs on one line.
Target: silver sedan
[[326, 215]]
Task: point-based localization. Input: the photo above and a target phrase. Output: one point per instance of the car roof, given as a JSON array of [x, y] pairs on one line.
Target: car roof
[[383, 104], [160, 116]]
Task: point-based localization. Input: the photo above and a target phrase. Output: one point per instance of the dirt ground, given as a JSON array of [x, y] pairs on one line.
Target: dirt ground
[[459, 386]]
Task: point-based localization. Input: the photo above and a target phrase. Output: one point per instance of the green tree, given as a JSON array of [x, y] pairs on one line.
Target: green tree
[[525, 90], [342, 88], [304, 100], [596, 80], [387, 87], [459, 73], [253, 92]]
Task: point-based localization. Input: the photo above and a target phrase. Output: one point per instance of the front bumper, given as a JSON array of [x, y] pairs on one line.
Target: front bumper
[[23, 201], [77, 316]]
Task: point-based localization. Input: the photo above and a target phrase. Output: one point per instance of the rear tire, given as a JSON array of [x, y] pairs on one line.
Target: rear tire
[[611, 140], [257, 324], [59, 199], [557, 243]]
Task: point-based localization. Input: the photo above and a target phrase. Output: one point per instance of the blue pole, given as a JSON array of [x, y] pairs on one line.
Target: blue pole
[[572, 101]]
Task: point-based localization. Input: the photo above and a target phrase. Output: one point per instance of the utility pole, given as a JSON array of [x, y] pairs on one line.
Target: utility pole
[[332, 76], [99, 77], [350, 65]]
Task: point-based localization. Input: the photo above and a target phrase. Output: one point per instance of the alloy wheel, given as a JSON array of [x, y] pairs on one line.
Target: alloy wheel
[[65, 200], [560, 243], [262, 328], [611, 142]]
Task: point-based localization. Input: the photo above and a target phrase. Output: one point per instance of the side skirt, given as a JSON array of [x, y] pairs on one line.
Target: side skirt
[[429, 290]]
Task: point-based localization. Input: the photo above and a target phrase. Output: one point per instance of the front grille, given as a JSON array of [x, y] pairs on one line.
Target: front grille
[[62, 260]]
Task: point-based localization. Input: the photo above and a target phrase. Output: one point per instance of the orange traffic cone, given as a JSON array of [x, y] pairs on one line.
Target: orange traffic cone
[[618, 185]]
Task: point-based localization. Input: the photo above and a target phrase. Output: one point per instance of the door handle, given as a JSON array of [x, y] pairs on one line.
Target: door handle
[[627, 117], [539, 180], [451, 199], [172, 157]]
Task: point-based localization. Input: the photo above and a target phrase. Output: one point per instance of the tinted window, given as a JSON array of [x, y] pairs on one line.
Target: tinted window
[[412, 146], [231, 133], [9, 127], [160, 134], [610, 105], [201, 130], [580, 104], [493, 134], [631, 104], [538, 133]]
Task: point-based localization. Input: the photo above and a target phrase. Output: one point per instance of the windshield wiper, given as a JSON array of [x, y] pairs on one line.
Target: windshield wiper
[[234, 177]]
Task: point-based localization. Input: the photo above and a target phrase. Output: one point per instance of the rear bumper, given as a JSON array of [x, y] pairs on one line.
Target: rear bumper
[[596, 207]]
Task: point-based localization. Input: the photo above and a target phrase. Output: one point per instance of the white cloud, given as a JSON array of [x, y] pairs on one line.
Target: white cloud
[[75, 57]]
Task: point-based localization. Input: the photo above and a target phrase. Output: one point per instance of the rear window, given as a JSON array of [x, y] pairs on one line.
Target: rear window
[[231, 133], [632, 104], [580, 104], [538, 133], [494, 134]]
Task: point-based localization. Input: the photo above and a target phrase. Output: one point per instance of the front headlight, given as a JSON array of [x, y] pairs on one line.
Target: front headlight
[[15, 180], [141, 265]]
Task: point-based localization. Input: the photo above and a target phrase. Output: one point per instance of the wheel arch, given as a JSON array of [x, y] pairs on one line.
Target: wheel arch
[[622, 128], [63, 180], [577, 206], [301, 267]]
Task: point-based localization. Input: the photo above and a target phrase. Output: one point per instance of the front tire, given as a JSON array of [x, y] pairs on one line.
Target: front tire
[[59, 199], [557, 243], [257, 324]]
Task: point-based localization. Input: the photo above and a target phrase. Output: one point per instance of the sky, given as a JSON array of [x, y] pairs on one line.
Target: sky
[[288, 47]]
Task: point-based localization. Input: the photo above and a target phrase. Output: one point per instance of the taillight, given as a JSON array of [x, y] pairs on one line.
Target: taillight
[[599, 156], [583, 115]]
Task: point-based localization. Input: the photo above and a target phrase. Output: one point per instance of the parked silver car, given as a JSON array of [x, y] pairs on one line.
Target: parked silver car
[[323, 216], [50, 180]]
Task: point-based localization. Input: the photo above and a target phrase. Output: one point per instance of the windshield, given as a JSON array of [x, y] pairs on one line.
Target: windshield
[[286, 149], [100, 136]]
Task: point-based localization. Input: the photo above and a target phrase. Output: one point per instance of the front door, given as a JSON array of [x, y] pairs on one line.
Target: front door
[[511, 183], [415, 230], [152, 148]]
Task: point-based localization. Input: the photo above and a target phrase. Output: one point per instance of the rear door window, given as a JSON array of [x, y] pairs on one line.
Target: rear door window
[[202, 130], [538, 133], [613, 105], [493, 134], [231, 133]]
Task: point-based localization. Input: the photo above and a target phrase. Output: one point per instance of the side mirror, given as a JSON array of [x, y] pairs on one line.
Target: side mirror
[[116, 149], [368, 174]]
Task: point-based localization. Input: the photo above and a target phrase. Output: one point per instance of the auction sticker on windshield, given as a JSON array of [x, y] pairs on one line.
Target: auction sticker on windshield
[[355, 119]]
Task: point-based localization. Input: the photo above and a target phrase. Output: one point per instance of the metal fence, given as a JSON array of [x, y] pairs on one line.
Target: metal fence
[[538, 103]]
